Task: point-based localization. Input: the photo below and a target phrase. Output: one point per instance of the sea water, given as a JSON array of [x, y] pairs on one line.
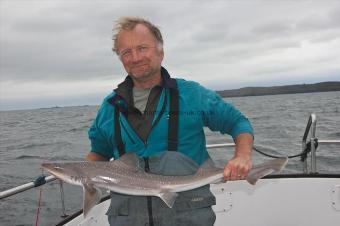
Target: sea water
[[31, 137]]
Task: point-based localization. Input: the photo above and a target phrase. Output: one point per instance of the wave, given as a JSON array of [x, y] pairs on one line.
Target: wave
[[66, 158], [36, 145], [50, 158], [336, 134], [82, 128], [28, 157]]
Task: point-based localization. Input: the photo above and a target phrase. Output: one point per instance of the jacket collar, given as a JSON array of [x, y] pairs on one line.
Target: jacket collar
[[124, 89], [167, 81]]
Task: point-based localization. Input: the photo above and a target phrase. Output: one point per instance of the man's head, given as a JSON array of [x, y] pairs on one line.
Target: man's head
[[139, 45], [129, 23]]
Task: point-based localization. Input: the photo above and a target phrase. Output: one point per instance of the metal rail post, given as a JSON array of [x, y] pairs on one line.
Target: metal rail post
[[312, 142], [311, 127]]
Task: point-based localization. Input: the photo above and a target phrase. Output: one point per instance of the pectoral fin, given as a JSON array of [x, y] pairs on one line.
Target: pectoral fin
[[266, 168], [168, 197], [92, 196]]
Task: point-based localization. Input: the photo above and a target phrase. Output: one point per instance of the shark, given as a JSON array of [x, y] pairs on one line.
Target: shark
[[126, 177]]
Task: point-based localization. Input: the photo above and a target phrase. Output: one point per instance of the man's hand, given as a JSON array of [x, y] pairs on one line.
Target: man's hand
[[92, 156], [239, 166]]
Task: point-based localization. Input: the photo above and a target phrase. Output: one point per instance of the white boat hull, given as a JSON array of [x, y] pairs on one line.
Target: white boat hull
[[312, 201], [279, 202]]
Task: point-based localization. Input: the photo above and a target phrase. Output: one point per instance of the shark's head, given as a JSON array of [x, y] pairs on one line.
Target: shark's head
[[63, 171], [55, 168]]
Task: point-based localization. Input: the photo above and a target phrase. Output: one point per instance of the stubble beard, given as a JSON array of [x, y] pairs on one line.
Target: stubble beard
[[146, 75]]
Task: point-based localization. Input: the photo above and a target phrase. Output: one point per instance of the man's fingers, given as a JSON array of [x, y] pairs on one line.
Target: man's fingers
[[227, 173], [234, 174], [236, 170], [231, 173]]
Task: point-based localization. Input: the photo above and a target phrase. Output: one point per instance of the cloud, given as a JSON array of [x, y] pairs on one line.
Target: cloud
[[48, 45]]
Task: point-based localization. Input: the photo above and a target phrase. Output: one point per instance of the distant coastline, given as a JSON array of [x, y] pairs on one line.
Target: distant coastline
[[275, 90]]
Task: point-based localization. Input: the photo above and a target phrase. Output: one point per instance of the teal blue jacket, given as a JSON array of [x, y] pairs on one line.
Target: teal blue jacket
[[198, 108]]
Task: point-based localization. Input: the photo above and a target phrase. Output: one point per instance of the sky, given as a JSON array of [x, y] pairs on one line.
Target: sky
[[58, 52]]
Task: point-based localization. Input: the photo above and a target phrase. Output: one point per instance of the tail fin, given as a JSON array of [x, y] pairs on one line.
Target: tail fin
[[263, 169]]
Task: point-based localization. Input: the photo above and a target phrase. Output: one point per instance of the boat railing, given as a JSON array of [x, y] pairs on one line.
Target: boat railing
[[41, 180], [311, 144]]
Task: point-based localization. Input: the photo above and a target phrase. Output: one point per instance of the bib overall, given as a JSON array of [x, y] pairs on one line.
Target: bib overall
[[191, 208]]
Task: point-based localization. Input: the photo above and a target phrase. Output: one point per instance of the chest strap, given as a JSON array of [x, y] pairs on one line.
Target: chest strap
[[172, 128], [118, 135], [173, 120]]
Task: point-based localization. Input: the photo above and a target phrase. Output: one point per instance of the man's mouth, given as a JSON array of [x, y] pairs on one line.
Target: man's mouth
[[138, 66]]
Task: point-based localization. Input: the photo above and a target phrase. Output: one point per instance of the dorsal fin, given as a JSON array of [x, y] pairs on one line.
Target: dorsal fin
[[130, 159]]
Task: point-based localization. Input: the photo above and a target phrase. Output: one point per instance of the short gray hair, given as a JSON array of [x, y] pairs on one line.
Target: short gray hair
[[129, 23]]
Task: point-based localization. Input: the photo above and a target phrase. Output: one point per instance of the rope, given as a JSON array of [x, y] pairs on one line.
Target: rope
[[39, 205], [62, 198], [303, 154]]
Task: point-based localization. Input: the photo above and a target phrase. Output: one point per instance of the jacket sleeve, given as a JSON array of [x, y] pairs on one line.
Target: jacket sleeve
[[101, 131], [221, 116]]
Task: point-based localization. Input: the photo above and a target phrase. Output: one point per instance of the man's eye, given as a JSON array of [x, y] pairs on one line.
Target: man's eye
[[143, 48], [126, 52]]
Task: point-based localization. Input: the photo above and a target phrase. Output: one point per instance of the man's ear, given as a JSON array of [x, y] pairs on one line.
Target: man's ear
[[161, 53]]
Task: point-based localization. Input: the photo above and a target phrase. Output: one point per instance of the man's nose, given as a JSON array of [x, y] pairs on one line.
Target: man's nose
[[135, 55]]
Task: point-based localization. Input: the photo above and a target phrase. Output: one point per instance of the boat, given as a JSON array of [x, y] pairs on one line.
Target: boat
[[307, 198]]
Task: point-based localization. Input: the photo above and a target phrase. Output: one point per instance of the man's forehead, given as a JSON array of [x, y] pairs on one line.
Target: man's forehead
[[139, 34]]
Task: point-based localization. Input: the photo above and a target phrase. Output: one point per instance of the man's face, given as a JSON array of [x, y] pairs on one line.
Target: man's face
[[138, 50]]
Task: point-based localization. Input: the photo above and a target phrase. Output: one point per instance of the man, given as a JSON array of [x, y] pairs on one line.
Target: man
[[161, 119]]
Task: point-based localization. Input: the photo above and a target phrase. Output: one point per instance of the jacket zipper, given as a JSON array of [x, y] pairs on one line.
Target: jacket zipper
[[148, 198], [153, 125]]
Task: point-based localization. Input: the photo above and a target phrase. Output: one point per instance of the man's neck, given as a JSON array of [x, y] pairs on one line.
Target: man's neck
[[147, 83]]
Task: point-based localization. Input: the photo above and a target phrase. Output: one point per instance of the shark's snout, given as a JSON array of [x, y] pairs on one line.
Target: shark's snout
[[52, 167]]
